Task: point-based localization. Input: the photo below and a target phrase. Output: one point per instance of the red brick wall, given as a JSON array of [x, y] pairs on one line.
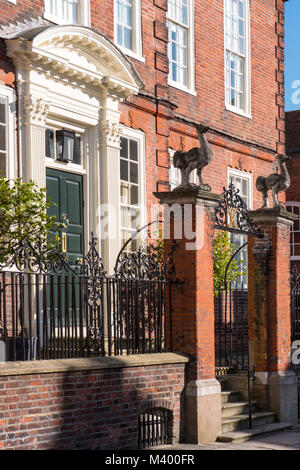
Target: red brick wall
[[167, 115], [269, 300], [94, 409]]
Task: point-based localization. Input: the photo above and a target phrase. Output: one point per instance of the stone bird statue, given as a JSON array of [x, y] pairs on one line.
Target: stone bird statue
[[276, 182], [195, 158]]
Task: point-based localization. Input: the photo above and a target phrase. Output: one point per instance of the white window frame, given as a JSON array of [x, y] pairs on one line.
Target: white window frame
[[83, 14], [292, 240], [137, 46], [246, 111], [10, 95], [190, 87], [242, 174], [232, 172], [139, 136], [175, 174]]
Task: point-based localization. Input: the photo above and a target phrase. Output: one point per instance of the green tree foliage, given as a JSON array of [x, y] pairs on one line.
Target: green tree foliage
[[223, 251], [23, 216]]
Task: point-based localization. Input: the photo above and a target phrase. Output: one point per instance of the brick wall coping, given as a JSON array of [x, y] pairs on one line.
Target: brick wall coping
[[73, 365]]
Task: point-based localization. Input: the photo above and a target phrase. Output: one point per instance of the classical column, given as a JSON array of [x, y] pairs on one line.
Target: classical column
[[33, 143], [275, 387], [192, 215], [109, 210]]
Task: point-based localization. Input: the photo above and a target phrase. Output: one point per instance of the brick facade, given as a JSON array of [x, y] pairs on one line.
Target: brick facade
[[96, 408], [167, 115]]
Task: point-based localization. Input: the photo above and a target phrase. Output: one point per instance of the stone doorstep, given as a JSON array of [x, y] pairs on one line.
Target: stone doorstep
[[230, 396], [247, 434], [239, 422], [236, 408]]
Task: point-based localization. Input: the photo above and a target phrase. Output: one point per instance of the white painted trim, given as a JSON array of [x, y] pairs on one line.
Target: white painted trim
[[140, 137], [245, 175], [13, 1], [65, 166], [247, 92], [137, 51], [181, 87], [132, 54], [10, 94], [190, 88]]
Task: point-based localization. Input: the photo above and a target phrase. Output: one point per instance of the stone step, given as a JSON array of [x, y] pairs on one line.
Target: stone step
[[237, 408], [241, 421], [246, 434], [230, 396]]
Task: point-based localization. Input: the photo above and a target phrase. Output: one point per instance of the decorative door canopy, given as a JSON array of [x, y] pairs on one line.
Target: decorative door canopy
[[76, 54]]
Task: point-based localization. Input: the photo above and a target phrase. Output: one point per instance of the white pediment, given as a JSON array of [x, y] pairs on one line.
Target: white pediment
[[78, 54]]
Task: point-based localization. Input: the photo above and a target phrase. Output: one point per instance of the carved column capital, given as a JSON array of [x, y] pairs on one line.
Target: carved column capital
[[111, 131], [35, 110]]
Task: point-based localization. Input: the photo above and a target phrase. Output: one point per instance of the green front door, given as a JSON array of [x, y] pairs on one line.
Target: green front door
[[66, 191], [65, 312]]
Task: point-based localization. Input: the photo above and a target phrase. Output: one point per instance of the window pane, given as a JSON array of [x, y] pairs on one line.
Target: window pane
[[49, 143], [2, 138], [133, 173], [3, 165], [3, 105], [125, 193], [124, 170], [124, 147], [127, 38], [241, 9], [134, 195], [133, 150], [77, 150]]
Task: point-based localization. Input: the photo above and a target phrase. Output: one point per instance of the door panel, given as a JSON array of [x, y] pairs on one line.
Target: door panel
[[66, 191]]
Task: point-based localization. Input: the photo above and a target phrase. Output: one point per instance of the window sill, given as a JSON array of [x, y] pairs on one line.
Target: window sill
[[190, 91], [132, 54], [238, 111]]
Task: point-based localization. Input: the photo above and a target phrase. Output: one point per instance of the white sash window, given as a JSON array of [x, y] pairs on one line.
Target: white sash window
[[180, 22], [237, 56]]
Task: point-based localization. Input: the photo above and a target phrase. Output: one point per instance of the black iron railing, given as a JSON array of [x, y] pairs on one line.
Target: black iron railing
[[51, 308], [295, 304]]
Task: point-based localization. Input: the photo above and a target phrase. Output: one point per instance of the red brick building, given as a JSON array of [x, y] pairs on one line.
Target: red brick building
[[161, 107], [95, 99]]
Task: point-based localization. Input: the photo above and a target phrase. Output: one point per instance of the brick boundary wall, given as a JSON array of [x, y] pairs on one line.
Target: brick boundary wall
[[89, 404]]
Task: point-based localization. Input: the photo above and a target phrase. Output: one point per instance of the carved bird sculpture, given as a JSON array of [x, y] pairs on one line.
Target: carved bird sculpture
[[276, 182]]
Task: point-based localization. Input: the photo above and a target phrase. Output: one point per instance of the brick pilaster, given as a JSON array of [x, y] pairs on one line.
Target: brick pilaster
[[193, 300]]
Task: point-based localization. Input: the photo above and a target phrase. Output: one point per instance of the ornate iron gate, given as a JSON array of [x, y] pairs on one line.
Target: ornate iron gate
[[231, 297]]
